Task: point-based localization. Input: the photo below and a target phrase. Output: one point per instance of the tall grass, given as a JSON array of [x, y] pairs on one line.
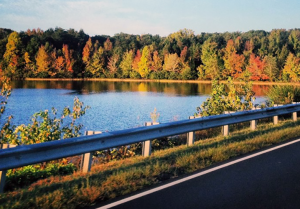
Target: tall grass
[[116, 178]]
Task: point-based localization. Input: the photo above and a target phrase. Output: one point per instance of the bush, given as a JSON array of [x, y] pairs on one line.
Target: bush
[[234, 99], [18, 178], [283, 94]]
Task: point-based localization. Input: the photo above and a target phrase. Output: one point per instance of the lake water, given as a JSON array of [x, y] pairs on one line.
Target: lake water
[[114, 105]]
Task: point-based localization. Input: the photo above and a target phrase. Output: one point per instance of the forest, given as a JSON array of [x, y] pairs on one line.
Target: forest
[[58, 53]]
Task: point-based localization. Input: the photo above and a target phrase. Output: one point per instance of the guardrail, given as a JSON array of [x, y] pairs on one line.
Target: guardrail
[[36, 153]]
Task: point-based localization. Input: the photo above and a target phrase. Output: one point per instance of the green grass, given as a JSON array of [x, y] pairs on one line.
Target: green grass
[[121, 177]]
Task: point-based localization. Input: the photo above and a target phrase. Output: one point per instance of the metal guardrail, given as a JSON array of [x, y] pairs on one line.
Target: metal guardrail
[[36, 153]]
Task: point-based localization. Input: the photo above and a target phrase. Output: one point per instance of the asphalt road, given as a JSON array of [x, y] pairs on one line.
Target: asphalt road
[[270, 180]]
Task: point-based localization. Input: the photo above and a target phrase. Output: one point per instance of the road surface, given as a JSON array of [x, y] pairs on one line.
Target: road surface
[[261, 180]]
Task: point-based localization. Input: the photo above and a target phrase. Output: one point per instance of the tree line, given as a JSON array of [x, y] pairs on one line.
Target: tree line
[[57, 53]]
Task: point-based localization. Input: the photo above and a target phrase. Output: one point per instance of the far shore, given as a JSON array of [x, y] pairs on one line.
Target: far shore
[[160, 81]]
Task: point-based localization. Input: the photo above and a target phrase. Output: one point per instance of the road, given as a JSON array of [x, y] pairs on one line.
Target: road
[[268, 180]]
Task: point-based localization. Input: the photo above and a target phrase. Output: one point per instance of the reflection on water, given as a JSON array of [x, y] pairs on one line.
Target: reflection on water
[[86, 87], [114, 105]]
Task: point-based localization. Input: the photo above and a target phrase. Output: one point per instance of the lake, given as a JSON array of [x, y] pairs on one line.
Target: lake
[[114, 105]]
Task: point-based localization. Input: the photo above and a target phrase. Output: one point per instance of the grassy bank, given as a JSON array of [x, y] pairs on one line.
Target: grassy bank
[[121, 177], [152, 80]]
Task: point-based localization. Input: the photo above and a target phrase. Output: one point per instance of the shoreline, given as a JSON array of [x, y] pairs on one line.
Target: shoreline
[[267, 83]]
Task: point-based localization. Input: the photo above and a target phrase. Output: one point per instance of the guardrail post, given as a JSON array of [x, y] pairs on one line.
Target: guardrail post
[[146, 145], [3, 173], [253, 123], [86, 159], [294, 114], [225, 128], [190, 139], [275, 118]]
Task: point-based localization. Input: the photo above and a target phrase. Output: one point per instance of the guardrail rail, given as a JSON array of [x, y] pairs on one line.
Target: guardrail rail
[[36, 153]]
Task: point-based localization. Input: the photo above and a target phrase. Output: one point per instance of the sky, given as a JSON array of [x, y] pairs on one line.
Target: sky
[[162, 17]]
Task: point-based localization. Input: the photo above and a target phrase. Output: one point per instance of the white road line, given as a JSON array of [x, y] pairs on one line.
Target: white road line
[[194, 176]]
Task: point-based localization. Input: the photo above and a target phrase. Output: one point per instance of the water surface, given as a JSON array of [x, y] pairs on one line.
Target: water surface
[[114, 105]]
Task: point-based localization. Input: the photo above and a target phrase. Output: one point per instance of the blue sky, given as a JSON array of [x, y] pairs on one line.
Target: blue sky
[[161, 17]]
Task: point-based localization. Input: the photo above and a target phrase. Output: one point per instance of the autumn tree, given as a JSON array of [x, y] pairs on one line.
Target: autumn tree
[[143, 64], [112, 65], [108, 45], [135, 64], [183, 54], [233, 62], [59, 64], [291, 70], [68, 60], [171, 63], [184, 65], [126, 63], [87, 52], [12, 56], [256, 68], [29, 65], [42, 62], [156, 62]]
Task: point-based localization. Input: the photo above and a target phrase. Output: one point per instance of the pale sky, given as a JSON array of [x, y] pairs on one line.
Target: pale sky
[[108, 17]]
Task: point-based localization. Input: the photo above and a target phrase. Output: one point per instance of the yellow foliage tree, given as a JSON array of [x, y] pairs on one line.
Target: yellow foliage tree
[[291, 70], [11, 55], [42, 62], [143, 65]]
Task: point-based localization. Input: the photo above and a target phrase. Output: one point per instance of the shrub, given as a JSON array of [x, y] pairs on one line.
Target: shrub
[[18, 178], [283, 94], [236, 98]]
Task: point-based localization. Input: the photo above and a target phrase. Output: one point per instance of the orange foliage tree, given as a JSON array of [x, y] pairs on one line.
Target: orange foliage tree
[[68, 59], [233, 62], [108, 45], [86, 53], [256, 68], [136, 60]]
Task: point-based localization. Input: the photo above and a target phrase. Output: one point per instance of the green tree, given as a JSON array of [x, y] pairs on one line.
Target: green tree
[[211, 67], [271, 69], [96, 66], [126, 64], [294, 40]]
